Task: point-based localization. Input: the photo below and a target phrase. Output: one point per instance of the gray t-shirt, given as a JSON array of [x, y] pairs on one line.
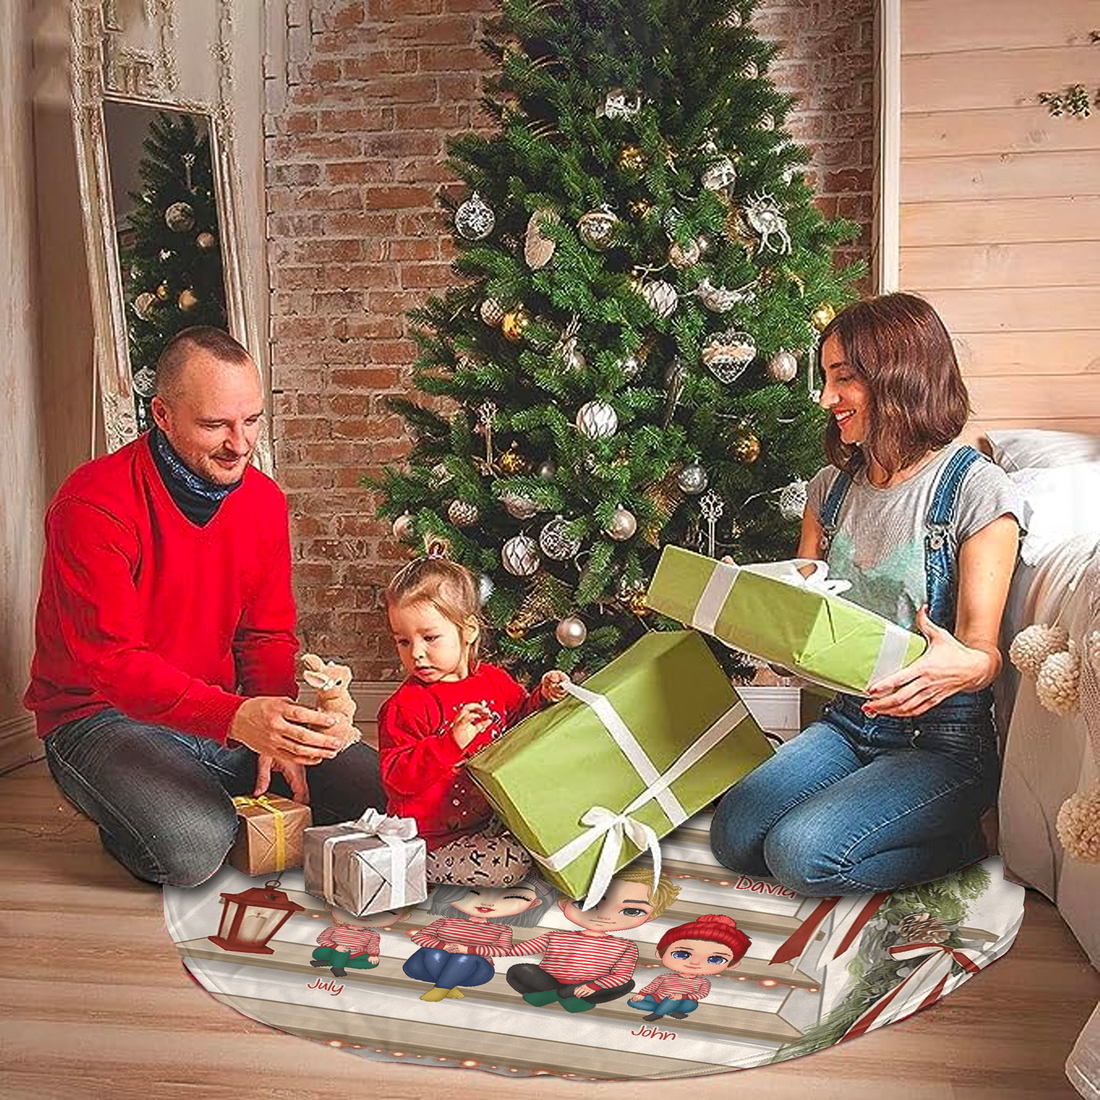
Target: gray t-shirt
[[879, 540]]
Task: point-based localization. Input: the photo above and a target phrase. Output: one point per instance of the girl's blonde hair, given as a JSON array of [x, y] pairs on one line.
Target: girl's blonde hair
[[449, 587]]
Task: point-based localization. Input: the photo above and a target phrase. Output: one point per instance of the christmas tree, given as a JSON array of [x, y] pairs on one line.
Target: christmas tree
[[627, 362], [171, 261]]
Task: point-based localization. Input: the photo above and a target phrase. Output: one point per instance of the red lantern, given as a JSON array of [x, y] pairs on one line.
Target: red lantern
[[252, 917]]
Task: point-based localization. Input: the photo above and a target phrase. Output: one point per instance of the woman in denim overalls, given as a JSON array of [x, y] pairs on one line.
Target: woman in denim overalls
[[888, 791]]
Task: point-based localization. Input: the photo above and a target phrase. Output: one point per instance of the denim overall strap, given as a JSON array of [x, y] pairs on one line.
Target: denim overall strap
[[831, 510], [939, 563]]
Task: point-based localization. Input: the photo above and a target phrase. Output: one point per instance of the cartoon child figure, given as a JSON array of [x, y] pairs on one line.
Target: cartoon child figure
[[694, 952], [353, 941], [589, 966], [474, 925]]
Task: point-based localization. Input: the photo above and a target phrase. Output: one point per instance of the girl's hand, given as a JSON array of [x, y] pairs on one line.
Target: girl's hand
[[373, 959], [553, 684], [455, 948], [472, 719], [946, 667], [634, 1000]]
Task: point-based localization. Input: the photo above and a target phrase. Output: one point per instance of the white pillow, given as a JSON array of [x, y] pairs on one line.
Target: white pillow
[[1020, 448], [1061, 502]]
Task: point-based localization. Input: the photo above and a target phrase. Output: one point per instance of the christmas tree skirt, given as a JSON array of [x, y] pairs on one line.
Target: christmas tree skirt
[[817, 971]]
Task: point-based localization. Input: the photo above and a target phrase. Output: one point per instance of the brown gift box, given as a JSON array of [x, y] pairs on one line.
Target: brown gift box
[[270, 834]]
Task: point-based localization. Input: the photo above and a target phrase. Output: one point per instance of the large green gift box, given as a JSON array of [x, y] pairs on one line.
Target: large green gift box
[[588, 783], [774, 613]]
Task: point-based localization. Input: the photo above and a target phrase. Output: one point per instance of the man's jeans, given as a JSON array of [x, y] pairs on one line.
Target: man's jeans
[[163, 799], [859, 804]]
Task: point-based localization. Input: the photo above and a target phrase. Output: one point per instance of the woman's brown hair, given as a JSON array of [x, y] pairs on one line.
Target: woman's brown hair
[[449, 587], [901, 350]]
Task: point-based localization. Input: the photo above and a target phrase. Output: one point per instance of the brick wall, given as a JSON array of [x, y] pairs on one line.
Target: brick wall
[[355, 132]]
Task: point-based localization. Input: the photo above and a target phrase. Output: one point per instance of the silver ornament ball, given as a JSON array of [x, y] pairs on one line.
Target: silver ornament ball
[[180, 217], [474, 219], [520, 556], [623, 524], [571, 632], [403, 527], [546, 471], [485, 588], [556, 541], [692, 479], [518, 506], [145, 382], [597, 420]]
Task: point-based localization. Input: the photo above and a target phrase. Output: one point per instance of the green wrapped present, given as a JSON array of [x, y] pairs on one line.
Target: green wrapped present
[[590, 782], [776, 614]]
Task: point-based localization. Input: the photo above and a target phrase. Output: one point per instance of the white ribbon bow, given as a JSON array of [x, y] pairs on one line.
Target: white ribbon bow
[[790, 572], [392, 831], [612, 827]]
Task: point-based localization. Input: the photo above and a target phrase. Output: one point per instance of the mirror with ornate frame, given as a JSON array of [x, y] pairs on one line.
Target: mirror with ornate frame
[[160, 198]]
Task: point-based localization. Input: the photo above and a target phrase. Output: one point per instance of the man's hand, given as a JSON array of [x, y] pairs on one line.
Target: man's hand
[[553, 684], [295, 777], [287, 732]]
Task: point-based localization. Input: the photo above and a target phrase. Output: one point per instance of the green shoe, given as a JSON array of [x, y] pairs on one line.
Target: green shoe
[[542, 998], [576, 1004]]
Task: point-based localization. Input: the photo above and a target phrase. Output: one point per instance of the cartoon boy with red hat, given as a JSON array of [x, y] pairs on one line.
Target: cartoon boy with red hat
[[693, 952]]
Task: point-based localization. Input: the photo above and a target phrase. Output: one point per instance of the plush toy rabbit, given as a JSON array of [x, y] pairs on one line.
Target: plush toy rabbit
[[332, 682]]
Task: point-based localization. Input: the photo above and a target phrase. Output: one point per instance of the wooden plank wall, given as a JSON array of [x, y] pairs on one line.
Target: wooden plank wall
[[1000, 202]]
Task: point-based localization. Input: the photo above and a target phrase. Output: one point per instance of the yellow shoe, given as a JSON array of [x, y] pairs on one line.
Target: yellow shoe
[[455, 993], [434, 994]]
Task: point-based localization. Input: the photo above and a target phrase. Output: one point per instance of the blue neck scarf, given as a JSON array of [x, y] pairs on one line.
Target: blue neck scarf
[[197, 498]]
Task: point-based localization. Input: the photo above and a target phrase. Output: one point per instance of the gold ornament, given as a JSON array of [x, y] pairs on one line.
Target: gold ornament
[[180, 217], [144, 304], [684, 255], [206, 241], [640, 208], [514, 324], [512, 461], [746, 447], [822, 316], [516, 631], [638, 605], [162, 292], [188, 299], [631, 159]]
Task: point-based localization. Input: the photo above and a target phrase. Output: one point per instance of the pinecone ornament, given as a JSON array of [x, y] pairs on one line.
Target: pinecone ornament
[[1034, 644], [1058, 684], [922, 928], [1078, 825]]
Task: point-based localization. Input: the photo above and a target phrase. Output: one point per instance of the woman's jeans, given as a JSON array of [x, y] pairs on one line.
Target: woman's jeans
[[445, 970], [859, 804], [163, 800]]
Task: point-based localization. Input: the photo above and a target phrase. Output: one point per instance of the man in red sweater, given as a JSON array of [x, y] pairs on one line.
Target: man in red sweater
[[163, 677]]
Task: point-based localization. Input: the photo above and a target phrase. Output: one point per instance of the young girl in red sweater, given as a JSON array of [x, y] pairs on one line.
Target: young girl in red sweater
[[450, 705]]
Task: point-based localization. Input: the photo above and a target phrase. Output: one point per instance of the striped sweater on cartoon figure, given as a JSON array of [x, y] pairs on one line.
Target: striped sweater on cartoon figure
[[587, 967]]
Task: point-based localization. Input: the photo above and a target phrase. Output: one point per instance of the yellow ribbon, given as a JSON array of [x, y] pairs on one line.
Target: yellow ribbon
[[241, 801]]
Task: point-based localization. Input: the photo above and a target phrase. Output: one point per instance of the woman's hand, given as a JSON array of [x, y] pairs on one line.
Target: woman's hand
[[472, 719], [946, 667], [553, 684]]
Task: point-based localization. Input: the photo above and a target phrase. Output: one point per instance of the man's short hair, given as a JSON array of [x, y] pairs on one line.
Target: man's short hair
[[214, 341]]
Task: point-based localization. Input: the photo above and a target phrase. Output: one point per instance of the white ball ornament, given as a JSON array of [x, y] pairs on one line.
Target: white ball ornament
[[571, 632], [403, 527], [474, 219], [546, 471], [1034, 644], [485, 588], [692, 479], [597, 420], [623, 524], [782, 367], [661, 297], [556, 541], [520, 556], [1058, 684]]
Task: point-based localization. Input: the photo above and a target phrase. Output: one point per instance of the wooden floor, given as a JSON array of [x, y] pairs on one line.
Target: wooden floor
[[95, 1003]]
